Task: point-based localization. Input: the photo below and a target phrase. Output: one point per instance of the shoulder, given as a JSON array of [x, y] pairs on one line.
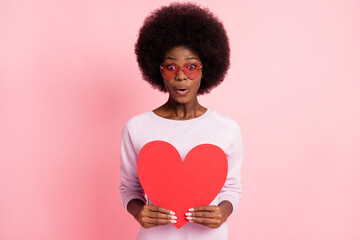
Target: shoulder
[[224, 120], [137, 121], [229, 125], [233, 131]]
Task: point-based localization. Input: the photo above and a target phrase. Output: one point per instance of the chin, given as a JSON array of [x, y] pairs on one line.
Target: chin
[[182, 99]]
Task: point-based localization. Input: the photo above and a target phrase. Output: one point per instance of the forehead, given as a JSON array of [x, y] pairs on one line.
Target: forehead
[[180, 53]]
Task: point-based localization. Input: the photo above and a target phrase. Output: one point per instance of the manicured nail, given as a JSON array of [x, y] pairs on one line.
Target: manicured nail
[[188, 214], [191, 209], [173, 221], [173, 217], [171, 212], [189, 218]]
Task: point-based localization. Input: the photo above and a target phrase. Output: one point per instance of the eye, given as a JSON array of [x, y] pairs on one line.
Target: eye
[[192, 66], [170, 67]]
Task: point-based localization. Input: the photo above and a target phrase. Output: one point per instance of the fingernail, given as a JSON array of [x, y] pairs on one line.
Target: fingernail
[[171, 212], [173, 221], [188, 214], [191, 209], [173, 217], [189, 218]]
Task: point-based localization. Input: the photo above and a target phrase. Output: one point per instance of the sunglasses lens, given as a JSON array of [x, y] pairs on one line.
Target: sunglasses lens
[[192, 69], [169, 70]]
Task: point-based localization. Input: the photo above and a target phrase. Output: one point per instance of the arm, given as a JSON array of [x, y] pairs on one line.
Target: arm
[[130, 187], [232, 188], [132, 193]]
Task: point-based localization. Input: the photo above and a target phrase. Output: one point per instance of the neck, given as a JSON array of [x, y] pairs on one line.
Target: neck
[[187, 110]]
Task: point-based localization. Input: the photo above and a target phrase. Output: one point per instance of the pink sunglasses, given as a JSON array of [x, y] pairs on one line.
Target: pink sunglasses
[[170, 69]]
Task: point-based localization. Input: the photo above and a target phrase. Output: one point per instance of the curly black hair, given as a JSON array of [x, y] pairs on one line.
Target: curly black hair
[[189, 25]]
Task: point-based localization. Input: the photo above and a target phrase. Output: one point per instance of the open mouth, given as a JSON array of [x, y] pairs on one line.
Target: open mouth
[[182, 91]]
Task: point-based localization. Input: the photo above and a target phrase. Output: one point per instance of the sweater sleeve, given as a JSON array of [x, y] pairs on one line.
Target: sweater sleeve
[[130, 187], [232, 188]]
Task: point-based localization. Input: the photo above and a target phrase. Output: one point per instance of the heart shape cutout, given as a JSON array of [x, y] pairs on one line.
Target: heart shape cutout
[[179, 185]]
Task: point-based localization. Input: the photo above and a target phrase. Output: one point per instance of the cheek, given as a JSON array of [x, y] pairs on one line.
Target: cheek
[[166, 84], [198, 83]]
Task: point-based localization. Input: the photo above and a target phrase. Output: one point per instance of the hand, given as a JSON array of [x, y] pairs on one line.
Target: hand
[[210, 216], [151, 216]]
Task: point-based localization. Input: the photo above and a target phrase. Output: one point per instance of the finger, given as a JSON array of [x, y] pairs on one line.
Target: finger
[[157, 221], [208, 208], [212, 225], [158, 215], [205, 221], [148, 225], [154, 208], [204, 214]]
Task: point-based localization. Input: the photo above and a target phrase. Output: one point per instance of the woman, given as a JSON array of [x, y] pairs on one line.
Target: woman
[[182, 49]]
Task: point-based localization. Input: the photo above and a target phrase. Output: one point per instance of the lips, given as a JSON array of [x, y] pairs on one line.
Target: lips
[[182, 90]]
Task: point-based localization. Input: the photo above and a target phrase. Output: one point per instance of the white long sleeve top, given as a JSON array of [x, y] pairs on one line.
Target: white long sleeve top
[[184, 135]]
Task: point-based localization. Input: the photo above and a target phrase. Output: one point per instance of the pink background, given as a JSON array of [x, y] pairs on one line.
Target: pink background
[[69, 81]]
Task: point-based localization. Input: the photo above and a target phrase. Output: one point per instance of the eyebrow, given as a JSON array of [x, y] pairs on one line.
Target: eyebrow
[[188, 58]]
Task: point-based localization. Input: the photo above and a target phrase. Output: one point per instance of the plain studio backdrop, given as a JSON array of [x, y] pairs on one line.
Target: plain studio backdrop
[[69, 81]]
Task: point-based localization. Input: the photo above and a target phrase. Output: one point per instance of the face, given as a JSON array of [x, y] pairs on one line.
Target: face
[[182, 83]]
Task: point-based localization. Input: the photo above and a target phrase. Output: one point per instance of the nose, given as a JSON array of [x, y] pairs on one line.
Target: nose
[[181, 75]]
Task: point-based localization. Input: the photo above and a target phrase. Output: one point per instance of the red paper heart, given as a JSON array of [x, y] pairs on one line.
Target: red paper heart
[[179, 185]]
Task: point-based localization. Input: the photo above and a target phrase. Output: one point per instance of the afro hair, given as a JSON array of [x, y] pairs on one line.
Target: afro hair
[[189, 25]]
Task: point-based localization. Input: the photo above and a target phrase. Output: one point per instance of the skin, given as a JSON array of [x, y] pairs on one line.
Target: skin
[[180, 107]]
